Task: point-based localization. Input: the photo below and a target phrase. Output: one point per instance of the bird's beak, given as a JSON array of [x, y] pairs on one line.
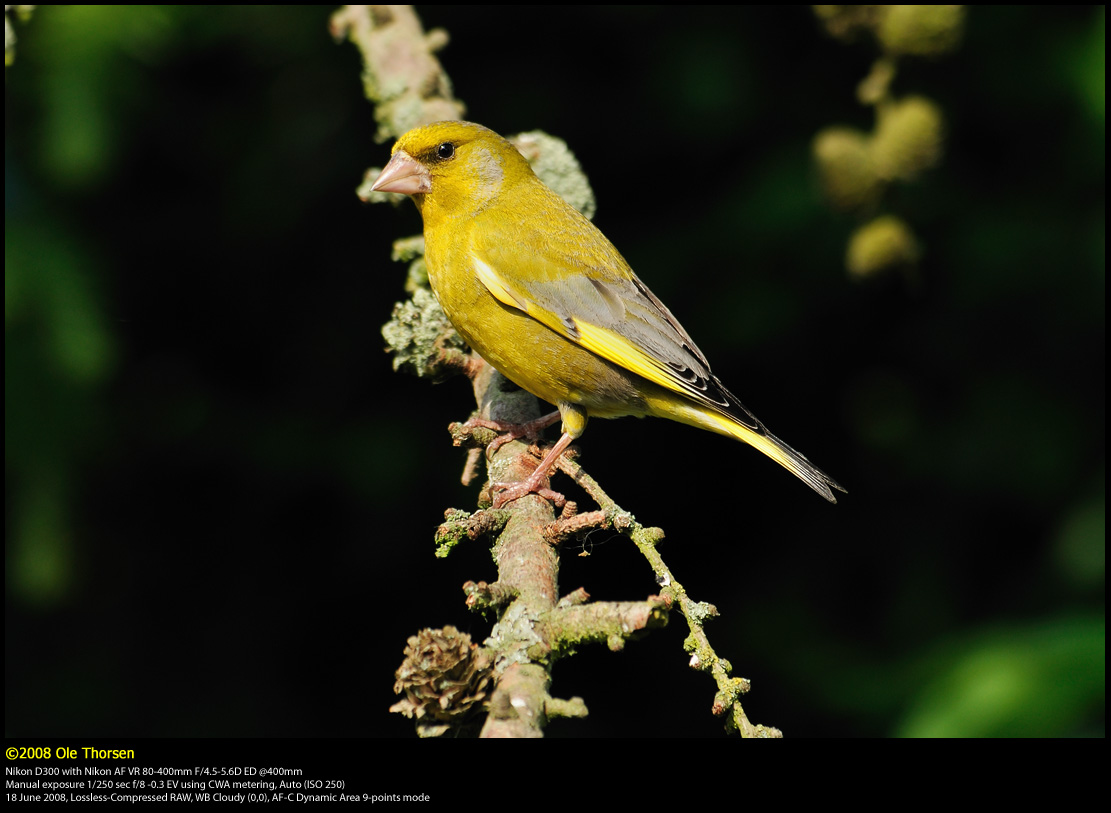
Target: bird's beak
[[403, 175]]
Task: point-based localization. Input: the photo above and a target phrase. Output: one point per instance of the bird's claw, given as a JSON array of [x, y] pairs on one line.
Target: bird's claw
[[513, 431], [507, 492]]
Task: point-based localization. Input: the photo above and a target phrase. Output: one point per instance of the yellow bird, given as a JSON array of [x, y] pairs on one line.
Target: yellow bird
[[540, 293]]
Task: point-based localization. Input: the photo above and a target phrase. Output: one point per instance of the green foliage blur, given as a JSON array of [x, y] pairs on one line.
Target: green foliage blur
[[221, 501]]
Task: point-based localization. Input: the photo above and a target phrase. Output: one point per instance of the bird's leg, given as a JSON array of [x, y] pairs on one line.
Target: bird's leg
[[533, 485], [514, 431], [506, 492]]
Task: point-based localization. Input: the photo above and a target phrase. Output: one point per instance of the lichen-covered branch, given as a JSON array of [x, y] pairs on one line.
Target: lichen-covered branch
[[401, 75]]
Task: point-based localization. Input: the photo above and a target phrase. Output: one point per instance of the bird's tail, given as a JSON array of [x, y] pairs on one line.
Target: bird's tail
[[722, 412], [788, 458]]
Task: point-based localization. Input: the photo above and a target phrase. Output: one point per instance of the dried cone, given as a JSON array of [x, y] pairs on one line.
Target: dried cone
[[445, 679]]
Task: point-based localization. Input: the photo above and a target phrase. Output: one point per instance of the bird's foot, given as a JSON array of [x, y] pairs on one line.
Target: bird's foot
[[508, 492], [535, 483], [513, 431]]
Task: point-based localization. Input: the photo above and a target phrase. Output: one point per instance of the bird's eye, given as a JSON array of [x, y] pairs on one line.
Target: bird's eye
[[445, 150]]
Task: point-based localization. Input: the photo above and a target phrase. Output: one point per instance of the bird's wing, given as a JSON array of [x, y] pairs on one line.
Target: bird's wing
[[587, 293]]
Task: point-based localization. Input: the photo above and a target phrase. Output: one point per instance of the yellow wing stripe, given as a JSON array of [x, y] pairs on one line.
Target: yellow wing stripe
[[599, 340], [616, 348]]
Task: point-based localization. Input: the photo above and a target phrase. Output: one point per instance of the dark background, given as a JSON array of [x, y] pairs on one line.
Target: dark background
[[220, 500]]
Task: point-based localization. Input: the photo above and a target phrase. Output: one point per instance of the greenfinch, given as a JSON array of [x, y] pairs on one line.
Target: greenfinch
[[540, 293]]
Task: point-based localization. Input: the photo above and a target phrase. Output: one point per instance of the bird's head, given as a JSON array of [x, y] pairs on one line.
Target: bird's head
[[452, 167]]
